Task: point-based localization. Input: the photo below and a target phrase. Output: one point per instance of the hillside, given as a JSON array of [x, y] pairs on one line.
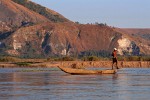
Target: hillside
[[143, 33], [49, 14], [14, 15], [28, 30]]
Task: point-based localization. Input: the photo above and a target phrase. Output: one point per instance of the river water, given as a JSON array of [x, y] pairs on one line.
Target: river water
[[53, 84]]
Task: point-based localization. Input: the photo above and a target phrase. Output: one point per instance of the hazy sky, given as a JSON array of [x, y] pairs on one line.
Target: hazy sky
[[118, 13]]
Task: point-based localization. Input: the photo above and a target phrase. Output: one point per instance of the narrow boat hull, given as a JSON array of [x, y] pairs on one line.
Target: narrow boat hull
[[85, 72]]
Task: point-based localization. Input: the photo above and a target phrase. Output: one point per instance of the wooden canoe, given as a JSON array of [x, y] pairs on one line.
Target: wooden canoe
[[85, 71]]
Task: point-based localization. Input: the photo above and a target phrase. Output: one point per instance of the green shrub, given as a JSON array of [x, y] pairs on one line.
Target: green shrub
[[23, 64], [145, 58], [134, 58], [67, 59], [121, 58], [61, 59], [53, 59], [101, 53], [90, 58], [93, 58], [9, 59]]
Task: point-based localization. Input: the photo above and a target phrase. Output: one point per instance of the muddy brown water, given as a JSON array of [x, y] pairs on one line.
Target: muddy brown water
[[53, 84]]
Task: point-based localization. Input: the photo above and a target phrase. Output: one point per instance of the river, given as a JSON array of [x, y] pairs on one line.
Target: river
[[53, 84]]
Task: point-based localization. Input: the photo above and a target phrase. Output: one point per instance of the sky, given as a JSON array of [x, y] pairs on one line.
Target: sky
[[117, 13]]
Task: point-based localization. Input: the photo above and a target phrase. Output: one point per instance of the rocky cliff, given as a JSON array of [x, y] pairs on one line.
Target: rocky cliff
[[140, 39]]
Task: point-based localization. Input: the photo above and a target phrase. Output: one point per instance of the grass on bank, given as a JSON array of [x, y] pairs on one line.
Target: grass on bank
[[95, 58], [25, 62], [16, 59]]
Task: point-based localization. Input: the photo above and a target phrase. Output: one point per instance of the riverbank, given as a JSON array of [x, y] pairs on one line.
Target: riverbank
[[101, 64]]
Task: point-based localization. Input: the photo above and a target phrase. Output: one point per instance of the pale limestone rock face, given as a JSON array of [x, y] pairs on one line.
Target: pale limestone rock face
[[4, 27], [127, 47], [16, 44], [64, 52], [124, 45]]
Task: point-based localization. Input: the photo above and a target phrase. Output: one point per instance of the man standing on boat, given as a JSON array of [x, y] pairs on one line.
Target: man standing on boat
[[114, 54]]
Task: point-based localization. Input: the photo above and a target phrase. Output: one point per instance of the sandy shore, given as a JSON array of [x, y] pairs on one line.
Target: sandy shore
[[102, 64]]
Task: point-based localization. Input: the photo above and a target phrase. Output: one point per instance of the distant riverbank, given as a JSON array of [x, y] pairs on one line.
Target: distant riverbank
[[101, 64]]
